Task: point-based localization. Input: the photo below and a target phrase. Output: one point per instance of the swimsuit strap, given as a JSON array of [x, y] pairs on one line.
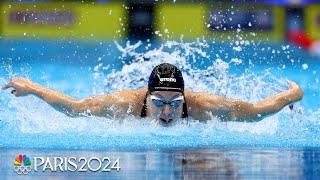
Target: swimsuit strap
[[185, 109], [144, 108]]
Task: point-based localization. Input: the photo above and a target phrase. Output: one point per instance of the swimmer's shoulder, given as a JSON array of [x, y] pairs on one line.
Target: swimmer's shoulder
[[198, 97], [199, 103], [139, 96], [133, 95]]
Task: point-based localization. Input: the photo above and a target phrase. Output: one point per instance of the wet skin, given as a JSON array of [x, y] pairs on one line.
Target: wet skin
[[166, 114], [201, 105]]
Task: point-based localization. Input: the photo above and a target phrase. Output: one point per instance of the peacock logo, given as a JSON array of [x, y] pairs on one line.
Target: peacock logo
[[22, 164]]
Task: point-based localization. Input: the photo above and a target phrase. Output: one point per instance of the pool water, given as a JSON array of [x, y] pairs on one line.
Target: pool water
[[213, 163], [280, 146]]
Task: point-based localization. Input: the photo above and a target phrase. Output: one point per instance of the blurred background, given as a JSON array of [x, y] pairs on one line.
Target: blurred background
[[266, 20]]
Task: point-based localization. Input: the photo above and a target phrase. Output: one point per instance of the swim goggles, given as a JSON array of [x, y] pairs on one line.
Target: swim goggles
[[160, 103]]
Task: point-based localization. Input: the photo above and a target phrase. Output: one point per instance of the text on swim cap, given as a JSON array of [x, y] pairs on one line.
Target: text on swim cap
[[168, 79]]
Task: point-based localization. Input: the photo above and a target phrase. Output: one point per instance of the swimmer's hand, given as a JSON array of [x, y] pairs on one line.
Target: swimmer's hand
[[21, 86], [295, 92]]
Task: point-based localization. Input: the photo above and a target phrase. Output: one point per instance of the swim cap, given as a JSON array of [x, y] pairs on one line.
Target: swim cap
[[166, 77]]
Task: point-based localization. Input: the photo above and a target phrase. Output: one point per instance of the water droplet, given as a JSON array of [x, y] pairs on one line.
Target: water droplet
[[305, 66]]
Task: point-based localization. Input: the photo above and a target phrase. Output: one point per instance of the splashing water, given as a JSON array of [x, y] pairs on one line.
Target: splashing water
[[30, 123]]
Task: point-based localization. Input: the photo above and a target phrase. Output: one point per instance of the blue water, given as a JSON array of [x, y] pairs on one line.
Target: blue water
[[82, 69], [214, 163]]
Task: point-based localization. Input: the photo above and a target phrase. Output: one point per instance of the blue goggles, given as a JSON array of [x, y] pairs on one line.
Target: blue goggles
[[160, 103]]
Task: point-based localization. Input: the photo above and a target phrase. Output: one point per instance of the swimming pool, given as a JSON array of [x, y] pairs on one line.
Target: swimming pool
[[281, 146]]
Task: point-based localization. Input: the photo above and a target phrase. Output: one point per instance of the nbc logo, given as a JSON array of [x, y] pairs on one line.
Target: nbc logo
[[22, 164]]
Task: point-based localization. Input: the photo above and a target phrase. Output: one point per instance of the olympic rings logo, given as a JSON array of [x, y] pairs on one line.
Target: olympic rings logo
[[22, 169]]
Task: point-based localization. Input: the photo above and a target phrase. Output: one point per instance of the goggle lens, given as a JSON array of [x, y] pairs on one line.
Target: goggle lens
[[173, 103]]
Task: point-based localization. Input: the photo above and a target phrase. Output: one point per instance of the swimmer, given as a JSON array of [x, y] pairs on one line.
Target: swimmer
[[165, 100]]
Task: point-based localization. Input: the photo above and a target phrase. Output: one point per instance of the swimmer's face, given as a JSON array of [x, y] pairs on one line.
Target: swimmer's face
[[165, 106]]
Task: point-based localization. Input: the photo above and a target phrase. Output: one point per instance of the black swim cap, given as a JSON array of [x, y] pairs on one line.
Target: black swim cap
[[166, 77]]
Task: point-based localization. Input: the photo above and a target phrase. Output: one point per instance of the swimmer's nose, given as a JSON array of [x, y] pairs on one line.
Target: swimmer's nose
[[166, 111], [165, 114]]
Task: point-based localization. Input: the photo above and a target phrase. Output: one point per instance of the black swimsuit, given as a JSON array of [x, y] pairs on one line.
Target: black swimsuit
[[144, 108]]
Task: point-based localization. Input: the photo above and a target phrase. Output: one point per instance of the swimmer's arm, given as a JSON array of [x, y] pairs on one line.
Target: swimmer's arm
[[59, 101], [205, 105], [244, 111], [117, 104], [106, 105]]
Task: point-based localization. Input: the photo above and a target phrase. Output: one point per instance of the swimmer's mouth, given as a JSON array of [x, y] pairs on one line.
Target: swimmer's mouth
[[165, 122]]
